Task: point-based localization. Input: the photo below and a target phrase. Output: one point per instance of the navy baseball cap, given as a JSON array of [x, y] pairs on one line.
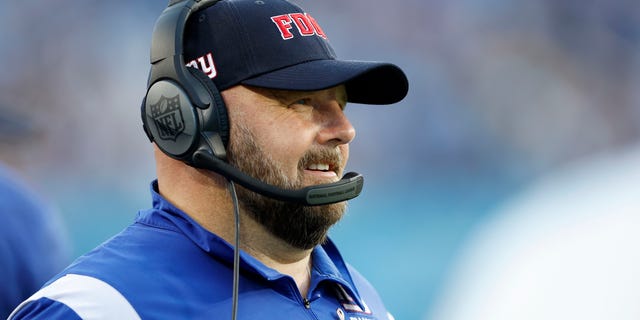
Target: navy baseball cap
[[275, 44]]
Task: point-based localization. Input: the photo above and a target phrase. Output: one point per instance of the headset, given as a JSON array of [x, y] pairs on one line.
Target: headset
[[185, 115]]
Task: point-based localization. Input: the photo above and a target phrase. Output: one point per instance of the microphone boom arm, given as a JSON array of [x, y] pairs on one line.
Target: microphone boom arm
[[347, 188]]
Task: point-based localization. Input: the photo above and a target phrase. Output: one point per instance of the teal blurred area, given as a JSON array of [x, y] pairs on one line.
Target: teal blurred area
[[502, 94]]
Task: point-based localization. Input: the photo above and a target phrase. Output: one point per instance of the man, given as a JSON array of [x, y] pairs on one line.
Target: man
[[282, 95], [32, 245]]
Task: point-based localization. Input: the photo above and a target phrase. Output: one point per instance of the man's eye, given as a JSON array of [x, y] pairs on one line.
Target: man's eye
[[299, 102], [302, 101]]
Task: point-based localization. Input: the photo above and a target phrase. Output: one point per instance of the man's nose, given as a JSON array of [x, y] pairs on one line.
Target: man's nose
[[336, 127]]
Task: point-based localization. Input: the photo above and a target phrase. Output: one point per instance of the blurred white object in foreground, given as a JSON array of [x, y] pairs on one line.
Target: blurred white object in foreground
[[567, 248]]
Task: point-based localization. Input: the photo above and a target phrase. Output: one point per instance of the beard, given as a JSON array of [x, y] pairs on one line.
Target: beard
[[302, 227]]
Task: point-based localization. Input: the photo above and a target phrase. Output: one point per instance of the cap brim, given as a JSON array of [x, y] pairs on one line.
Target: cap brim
[[366, 82]]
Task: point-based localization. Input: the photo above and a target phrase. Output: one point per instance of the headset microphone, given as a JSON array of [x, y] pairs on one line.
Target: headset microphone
[[347, 188]]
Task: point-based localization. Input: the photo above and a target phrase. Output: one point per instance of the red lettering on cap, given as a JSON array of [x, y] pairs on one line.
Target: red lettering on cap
[[305, 23], [302, 22], [284, 24], [316, 26]]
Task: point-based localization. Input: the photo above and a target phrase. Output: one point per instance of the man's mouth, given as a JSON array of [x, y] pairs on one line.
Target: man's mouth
[[322, 165], [318, 167], [323, 170]]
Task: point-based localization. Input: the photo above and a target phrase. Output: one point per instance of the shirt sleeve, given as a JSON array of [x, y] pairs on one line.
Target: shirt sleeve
[[44, 308], [74, 296]]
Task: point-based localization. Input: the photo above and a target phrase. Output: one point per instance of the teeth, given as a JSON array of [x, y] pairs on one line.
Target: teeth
[[319, 166]]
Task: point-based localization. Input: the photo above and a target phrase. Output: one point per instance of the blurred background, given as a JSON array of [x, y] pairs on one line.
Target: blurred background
[[507, 99]]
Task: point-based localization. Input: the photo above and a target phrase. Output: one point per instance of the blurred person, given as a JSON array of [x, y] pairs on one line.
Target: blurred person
[[257, 98], [33, 245], [566, 248]]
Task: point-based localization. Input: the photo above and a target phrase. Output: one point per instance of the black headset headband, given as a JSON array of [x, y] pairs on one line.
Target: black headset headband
[[167, 55]]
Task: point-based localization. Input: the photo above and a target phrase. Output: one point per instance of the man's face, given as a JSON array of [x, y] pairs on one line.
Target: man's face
[[291, 140]]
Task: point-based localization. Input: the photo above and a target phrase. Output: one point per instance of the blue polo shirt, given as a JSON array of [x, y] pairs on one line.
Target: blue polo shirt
[[166, 266]]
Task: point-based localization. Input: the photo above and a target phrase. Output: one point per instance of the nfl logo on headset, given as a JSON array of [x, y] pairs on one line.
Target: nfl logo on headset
[[167, 116]]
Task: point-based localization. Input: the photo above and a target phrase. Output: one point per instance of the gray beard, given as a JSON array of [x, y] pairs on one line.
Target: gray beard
[[302, 227]]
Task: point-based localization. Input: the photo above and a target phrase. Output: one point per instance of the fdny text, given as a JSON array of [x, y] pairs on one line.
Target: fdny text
[[306, 25]]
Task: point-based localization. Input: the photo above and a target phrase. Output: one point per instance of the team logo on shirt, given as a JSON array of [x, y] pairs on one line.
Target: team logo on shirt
[[167, 116], [350, 308]]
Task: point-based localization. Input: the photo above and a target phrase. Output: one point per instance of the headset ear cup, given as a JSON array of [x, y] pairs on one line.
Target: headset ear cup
[[169, 119], [218, 119]]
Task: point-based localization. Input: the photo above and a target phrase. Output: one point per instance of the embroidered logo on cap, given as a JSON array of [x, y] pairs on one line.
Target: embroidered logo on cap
[[304, 22], [207, 66]]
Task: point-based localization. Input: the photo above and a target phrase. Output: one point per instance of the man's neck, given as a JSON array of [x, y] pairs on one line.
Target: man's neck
[[275, 253], [205, 198]]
